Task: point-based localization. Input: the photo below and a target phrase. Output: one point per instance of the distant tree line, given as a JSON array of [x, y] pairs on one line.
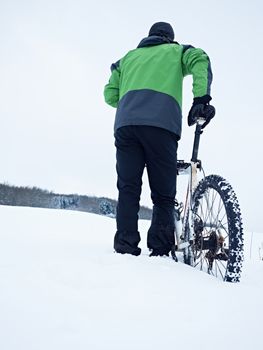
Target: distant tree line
[[36, 197]]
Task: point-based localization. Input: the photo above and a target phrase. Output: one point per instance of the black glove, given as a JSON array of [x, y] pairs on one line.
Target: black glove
[[201, 109]]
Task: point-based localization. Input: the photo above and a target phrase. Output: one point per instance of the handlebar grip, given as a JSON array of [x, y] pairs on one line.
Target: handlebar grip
[[200, 121]]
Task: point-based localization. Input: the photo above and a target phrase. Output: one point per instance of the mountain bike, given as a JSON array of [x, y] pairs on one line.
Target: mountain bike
[[208, 225]]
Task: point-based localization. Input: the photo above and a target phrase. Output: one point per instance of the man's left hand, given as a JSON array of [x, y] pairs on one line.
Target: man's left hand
[[201, 109]]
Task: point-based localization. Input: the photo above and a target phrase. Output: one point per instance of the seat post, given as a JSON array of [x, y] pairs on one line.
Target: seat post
[[198, 132]]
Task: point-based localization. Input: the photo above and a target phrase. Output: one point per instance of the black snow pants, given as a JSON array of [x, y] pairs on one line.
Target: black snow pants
[[155, 148]]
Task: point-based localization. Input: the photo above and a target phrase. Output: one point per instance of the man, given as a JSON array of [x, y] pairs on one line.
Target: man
[[146, 87]]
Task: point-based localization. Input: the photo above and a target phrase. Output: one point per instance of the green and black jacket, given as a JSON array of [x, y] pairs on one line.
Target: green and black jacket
[[146, 84]]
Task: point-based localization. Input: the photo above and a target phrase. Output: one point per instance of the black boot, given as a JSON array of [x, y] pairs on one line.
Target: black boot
[[160, 239], [126, 242], [158, 252]]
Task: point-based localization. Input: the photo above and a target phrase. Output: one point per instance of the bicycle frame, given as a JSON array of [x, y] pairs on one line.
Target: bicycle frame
[[190, 169]]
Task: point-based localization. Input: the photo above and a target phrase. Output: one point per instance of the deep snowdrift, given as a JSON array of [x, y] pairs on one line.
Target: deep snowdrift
[[62, 287]]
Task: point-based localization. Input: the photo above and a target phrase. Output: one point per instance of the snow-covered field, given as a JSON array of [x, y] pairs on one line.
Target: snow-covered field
[[62, 287]]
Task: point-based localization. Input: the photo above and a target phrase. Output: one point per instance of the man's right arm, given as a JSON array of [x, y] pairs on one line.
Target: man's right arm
[[111, 90]]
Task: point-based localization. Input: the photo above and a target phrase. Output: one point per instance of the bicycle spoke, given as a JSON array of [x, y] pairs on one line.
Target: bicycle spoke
[[219, 270], [211, 214], [220, 206]]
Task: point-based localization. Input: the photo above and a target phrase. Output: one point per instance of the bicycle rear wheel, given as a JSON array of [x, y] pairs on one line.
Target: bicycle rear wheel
[[217, 246]]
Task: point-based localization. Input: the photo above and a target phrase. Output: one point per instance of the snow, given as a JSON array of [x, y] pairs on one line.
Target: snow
[[62, 287]]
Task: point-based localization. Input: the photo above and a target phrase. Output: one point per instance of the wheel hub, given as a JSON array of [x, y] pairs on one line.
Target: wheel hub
[[212, 241]]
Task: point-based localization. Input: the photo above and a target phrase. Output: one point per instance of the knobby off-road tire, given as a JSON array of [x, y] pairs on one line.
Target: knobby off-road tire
[[217, 246]]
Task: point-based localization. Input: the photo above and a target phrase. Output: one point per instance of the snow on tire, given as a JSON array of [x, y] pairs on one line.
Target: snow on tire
[[218, 233]]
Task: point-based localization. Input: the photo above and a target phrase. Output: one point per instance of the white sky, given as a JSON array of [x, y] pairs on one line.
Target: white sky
[[56, 131]]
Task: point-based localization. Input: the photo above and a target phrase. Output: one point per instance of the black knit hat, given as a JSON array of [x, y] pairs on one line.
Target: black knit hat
[[162, 29]]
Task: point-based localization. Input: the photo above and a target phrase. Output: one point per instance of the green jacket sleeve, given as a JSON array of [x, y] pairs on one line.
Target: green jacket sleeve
[[111, 90], [196, 62]]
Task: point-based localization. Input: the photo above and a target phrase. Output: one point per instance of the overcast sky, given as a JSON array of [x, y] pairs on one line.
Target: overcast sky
[[56, 131]]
